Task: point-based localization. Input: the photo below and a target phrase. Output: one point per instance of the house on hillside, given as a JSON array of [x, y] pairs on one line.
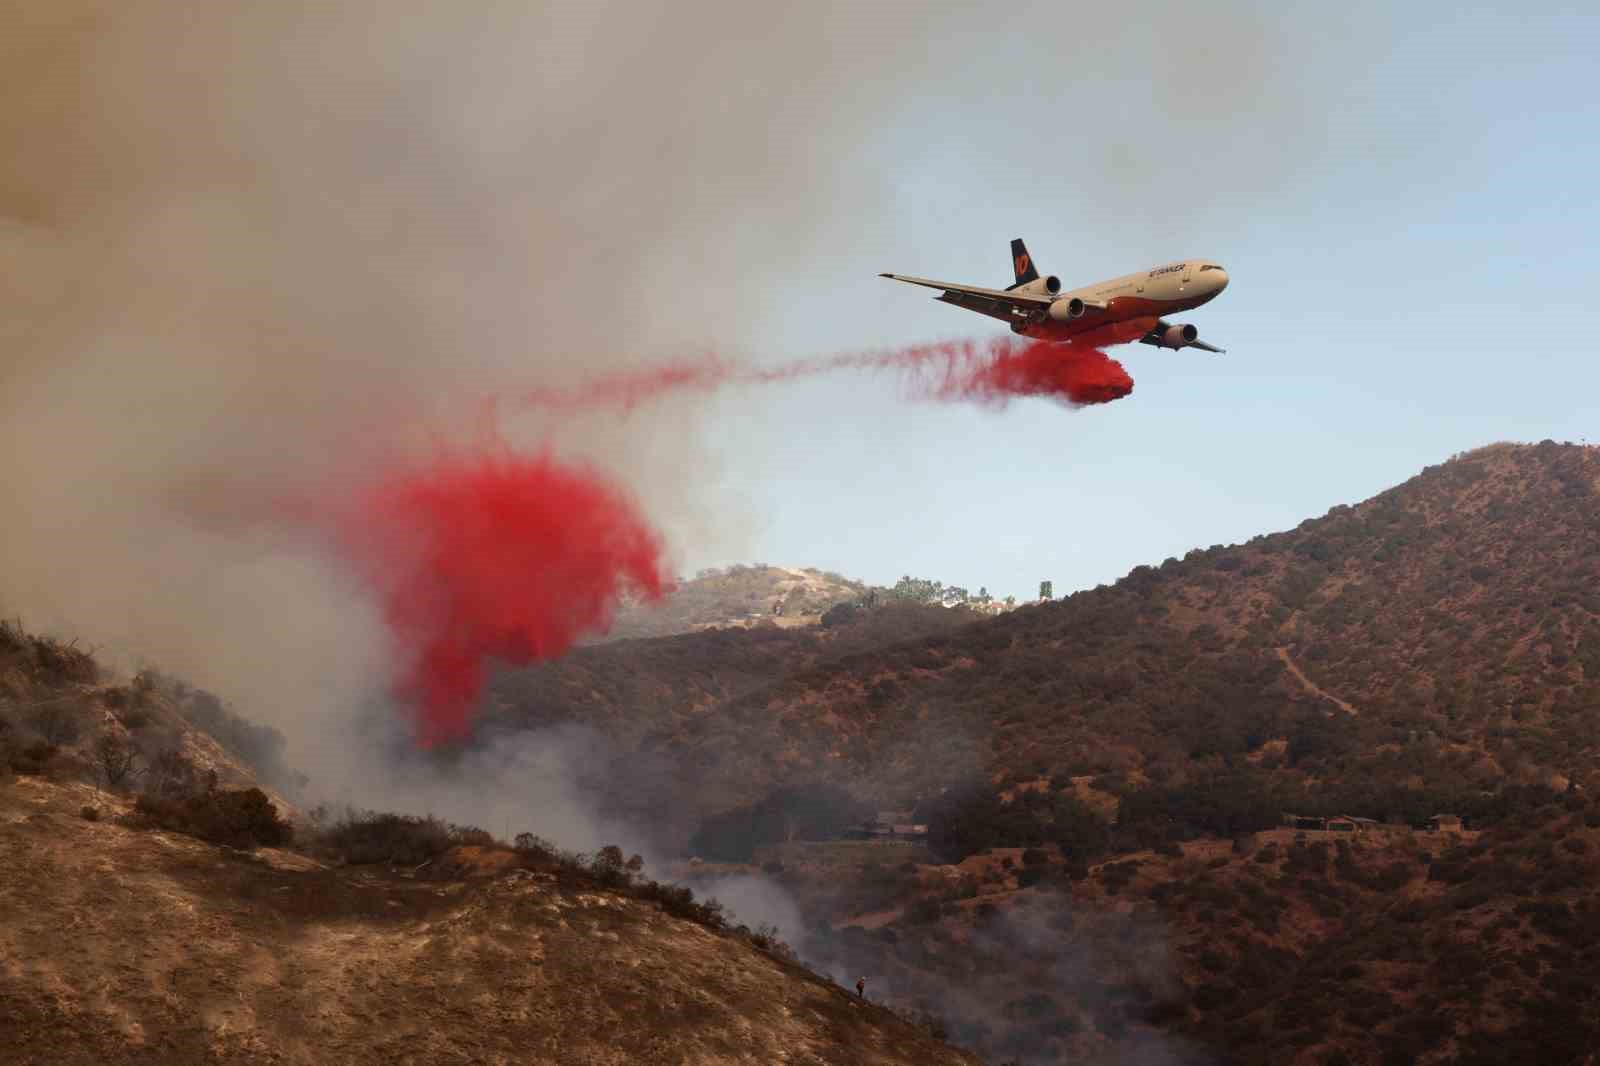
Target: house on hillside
[[1445, 823], [1339, 823], [890, 827], [1304, 821]]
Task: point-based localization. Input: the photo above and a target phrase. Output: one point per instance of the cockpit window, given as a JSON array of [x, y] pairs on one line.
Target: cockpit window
[[1209, 266]]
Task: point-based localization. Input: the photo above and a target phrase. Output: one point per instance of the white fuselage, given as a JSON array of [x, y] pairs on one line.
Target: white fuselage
[[1137, 300]]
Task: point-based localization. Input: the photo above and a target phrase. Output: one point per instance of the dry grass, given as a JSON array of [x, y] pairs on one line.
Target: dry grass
[[119, 946]]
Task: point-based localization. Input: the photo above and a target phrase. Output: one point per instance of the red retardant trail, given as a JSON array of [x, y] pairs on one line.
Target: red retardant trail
[[987, 372], [514, 559], [505, 558]]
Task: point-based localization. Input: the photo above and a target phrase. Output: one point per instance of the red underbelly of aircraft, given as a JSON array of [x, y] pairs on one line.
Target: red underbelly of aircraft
[[1124, 319]]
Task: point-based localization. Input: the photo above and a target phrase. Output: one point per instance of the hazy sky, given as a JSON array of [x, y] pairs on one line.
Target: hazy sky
[[1403, 198]]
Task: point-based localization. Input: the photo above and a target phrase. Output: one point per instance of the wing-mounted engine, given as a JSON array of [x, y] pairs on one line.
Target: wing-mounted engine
[[1175, 336], [1046, 286], [1024, 317], [1069, 308]]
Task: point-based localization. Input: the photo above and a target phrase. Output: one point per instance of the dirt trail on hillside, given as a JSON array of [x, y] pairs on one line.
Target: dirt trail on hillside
[[1311, 686]]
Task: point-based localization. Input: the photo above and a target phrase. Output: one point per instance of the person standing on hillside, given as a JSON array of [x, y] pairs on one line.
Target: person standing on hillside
[[861, 988]]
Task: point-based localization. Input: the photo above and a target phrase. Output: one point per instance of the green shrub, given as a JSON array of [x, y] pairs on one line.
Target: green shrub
[[370, 837], [241, 818], [679, 901], [535, 848], [471, 836]]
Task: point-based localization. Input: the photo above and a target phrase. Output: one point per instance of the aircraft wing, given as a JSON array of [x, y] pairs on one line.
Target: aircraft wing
[[996, 303], [1154, 337]]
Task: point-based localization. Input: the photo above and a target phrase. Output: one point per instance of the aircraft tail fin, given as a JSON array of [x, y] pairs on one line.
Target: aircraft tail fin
[[1023, 263]]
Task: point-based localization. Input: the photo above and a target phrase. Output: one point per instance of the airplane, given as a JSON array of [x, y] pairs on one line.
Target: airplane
[[1036, 307]]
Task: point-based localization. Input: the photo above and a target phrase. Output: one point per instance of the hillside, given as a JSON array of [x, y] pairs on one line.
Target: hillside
[[738, 596], [124, 946], [1443, 634], [688, 673], [1386, 946], [128, 935], [1435, 649], [1104, 778], [58, 707]]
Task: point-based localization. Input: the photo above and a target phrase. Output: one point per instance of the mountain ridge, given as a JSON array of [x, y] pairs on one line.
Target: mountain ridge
[[1370, 604]]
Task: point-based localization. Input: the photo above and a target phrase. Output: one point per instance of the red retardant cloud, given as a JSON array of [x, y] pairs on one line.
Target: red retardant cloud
[[990, 372], [1068, 372], [494, 558]]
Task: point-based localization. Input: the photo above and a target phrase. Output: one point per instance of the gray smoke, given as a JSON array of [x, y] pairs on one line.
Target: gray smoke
[[1028, 980], [251, 252]]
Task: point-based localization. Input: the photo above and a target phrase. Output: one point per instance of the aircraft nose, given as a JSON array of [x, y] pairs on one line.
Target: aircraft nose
[[1221, 279]]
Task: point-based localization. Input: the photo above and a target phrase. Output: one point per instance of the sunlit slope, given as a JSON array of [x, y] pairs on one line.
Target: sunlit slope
[[128, 946], [738, 596]]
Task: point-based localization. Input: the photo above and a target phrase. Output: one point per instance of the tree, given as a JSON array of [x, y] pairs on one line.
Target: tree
[[610, 868], [58, 722], [806, 812], [170, 772], [970, 817], [918, 590], [1047, 590], [114, 759], [1077, 830], [839, 614]]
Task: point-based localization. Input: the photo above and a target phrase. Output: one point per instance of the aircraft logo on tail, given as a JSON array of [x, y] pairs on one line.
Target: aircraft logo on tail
[[1023, 262]]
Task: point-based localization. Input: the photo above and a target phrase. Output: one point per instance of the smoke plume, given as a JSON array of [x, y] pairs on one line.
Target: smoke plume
[[251, 252], [262, 252]]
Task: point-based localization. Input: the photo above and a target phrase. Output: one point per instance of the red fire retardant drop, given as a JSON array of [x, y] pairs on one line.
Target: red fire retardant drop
[[1067, 372], [991, 372], [505, 558], [514, 559]]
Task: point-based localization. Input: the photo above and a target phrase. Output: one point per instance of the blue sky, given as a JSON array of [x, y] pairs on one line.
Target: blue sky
[[1403, 200]]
